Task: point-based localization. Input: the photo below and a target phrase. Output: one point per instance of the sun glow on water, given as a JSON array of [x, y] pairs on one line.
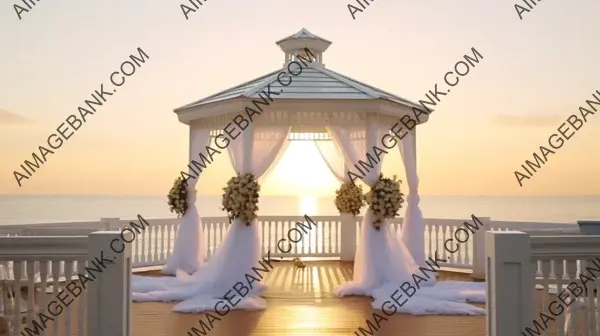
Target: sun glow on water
[[308, 205]]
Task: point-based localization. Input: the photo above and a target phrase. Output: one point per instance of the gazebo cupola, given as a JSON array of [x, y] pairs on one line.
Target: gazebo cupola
[[294, 45]]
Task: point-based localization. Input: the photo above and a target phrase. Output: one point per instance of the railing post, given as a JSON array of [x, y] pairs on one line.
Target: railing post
[[348, 237], [111, 223], [509, 283], [479, 249], [109, 294]]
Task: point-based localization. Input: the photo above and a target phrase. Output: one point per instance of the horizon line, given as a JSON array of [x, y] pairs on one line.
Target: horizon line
[[302, 195]]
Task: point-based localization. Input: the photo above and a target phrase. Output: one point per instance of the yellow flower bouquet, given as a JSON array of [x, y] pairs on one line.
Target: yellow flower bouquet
[[384, 199], [177, 197], [349, 199], [240, 198]]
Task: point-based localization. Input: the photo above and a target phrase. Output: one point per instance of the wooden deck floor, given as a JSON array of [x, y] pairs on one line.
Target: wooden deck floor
[[301, 303]]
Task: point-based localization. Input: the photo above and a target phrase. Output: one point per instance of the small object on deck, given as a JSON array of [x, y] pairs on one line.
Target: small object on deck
[[298, 263]]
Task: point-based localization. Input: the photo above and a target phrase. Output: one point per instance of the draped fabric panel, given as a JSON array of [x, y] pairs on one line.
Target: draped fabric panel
[[333, 158], [188, 252], [381, 259], [269, 144], [413, 229], [240, 249], [351, 141]]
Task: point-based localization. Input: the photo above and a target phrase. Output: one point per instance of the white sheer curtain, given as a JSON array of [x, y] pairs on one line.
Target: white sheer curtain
[[240, 249], [383, 262], [380, 258], [333, 158], [188, 252], [413, 230], [269, 143]]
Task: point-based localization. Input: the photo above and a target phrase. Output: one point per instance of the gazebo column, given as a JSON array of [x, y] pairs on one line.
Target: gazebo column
[[372, 133], [248, 147]]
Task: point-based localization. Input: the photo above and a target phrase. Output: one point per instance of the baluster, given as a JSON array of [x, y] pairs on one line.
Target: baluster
[[329, 246], [156, 241], [572, 311], [429, 246], [545, 282], [55, 284], [596, 301], [30, 291], [318, 237], [160, 242], [469, 246], [264, 237], [68, 310], [145, 246], [42, 301], [589, 302], [438, 231], [16, 289], [447, 231], [171, 235], [81, 307], [209, 235], [151, 244], [462, 247], [166, 242], [559, 276]]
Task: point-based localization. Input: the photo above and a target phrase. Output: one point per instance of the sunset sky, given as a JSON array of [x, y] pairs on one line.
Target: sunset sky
[[535, 73]]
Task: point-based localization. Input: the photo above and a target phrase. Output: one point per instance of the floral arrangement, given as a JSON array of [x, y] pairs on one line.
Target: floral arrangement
[[177, 198], [384, 199], [349, 198], [240, 198]]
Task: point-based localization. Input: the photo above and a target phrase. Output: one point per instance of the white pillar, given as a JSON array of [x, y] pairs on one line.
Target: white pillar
[[110, 223], [479, 249], [348, 237], [509, 283], [109, 294], [248, 146], [372, 136]]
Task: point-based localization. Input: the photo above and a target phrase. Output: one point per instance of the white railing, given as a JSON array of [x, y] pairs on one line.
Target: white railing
[[43, 275], [332, 237], [534, 273]]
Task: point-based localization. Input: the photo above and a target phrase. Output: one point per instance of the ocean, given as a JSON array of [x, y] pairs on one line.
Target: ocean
[[41, 209]]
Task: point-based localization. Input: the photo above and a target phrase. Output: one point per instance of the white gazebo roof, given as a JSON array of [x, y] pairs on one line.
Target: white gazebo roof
[[309, 91], [313, 83]]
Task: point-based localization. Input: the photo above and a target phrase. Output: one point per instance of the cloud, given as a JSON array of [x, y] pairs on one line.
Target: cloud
[[12, 118], [527, 120]]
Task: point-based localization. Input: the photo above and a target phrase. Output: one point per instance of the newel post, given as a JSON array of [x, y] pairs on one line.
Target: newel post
[[111, 223], [509, 283], [109, 294], [348, 237], [479, 249]]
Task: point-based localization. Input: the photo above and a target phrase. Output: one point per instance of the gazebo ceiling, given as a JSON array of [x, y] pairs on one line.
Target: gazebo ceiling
[[316, 89]]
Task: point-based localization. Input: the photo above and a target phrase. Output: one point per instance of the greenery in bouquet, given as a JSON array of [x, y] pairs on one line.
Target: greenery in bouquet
[[349, 199], [384, 199], [240, 198], [177, 197]]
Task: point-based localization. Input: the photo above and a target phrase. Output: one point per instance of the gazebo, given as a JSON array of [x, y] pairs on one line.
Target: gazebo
[[318, 104]]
